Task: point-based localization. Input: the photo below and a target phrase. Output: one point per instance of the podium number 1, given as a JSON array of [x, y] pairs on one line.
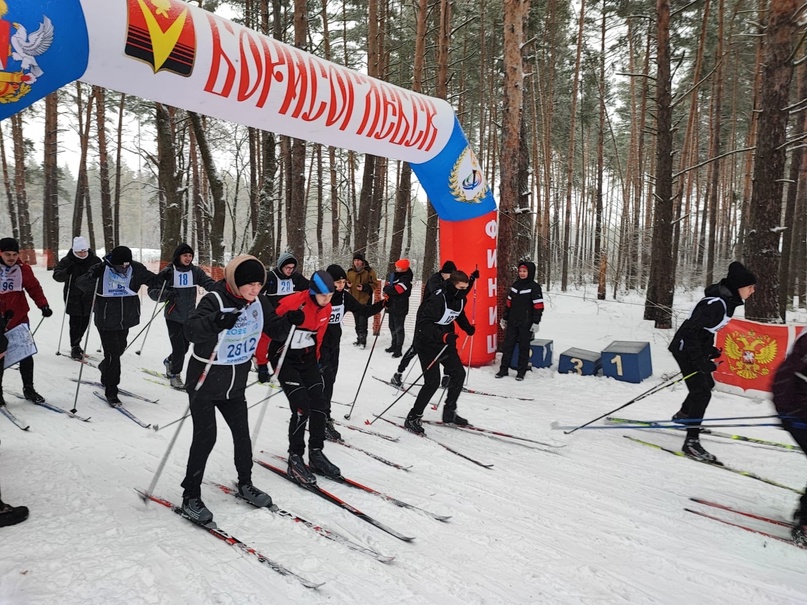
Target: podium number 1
[[617, 361]]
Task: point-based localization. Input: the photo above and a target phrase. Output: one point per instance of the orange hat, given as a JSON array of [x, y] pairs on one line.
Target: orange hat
[[402, 264]]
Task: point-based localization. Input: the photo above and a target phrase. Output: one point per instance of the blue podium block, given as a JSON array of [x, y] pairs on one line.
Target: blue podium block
[[579, 361], [628, 361], [540, 354]]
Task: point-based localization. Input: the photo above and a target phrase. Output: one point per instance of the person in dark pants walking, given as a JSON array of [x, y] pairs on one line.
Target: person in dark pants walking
[[693, 348], [524, 307], [117, 308], [435, 338], [181, 278], [790, 400], [78, 304], [224, 330], [398, 290], [362, 279]]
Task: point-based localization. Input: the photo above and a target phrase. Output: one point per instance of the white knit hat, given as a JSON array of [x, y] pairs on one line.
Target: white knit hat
[[80, 243]]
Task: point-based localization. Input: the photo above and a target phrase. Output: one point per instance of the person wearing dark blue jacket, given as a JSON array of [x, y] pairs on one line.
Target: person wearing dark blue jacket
[[523, 309], [397, 291], [693, 348], [181, 279]]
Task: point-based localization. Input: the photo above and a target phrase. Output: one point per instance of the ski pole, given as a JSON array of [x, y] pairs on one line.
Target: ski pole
[[367, 365], [61, 329], [143, 329], [86, 339], [286, 347], [37, 325], [685, 421], [397, 399], [159, 471], [647, 393], [210, 360], [473, 320], [667, 425], [153, 315]]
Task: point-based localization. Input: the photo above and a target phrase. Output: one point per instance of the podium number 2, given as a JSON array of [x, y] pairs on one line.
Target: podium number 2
[[617, 361]]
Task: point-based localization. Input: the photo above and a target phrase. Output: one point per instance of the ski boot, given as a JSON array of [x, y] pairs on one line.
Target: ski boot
[[396, 380], [318, 463], [693, 449], [331, 434], [412, 423], [31, 395], [195, 510], [298, 471], [11, 515], [254, 496]]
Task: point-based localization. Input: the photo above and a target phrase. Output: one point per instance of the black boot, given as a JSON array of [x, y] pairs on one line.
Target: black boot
[[412, 423], [11, 515], [318, 463], [298, 471], [450, 415]]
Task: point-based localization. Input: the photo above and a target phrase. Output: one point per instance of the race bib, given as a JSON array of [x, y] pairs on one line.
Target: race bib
[[239, 343], [183, 279], [285, 286], [337, 314], [115, 284], [302, 339], [20, 345], [11, 279]]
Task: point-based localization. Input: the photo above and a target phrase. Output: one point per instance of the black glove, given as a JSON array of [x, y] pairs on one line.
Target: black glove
[[47, 311], [226, 321], [474, 275], [97, 270], [263, 373], [707, 366], [296, 317], [4, 319], [450, 338], [715, 353], [471, 330]]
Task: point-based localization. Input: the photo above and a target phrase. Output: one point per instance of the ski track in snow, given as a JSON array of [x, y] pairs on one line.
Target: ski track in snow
[[600, 520]]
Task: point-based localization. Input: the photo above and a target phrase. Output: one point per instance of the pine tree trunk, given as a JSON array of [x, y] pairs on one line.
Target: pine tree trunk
[[107, 222], [168, 178], [26, 240]]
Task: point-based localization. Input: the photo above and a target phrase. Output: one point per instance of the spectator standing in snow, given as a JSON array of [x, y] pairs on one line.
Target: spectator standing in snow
[[693, 348], [362, 279], [398, 290], [523, 308]]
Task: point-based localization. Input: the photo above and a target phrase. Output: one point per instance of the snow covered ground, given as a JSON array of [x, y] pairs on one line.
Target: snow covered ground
[[599, 520]]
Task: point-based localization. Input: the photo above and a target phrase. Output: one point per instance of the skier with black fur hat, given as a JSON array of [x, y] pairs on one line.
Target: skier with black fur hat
[[281, 281], [435, 339], [223, 330], [693, 348], [300, 377], [117, 308], [181, 279], [341, 302]]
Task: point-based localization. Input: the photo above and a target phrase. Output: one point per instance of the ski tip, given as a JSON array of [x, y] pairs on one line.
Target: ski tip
[[312, 585], [443, 518], [367, 422]]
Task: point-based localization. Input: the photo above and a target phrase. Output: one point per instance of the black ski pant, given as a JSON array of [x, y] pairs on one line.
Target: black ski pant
[[407, 357], [516, 335], [78, 325], [396, 328], [700, 387], [798, 430], [329, 367], [361, 328], [203, 413], [179, 345], [26, 372], [114, 344], [304, 388], [453, 368]]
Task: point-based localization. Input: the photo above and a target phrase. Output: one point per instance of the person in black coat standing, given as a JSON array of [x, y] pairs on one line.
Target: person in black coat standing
[[78, 304], [117, 308], [693, 348], [181, 278], [224, 331], [398, 290], [524, 307], [436, 343]]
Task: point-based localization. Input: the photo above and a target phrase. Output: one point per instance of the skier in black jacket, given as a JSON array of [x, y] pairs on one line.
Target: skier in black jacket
[[524, 307], [398, 290], [341, 302], [435, 339], [224, 331], [117, 308], [181, 278], [693, 348], [78, 304]]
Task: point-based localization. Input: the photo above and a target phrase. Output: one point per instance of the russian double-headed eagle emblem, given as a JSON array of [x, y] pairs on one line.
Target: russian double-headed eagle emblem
[[749, 354], [19, 50]]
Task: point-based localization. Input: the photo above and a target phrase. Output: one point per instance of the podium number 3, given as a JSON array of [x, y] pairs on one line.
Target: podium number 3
[[578, 365], [617, 361]]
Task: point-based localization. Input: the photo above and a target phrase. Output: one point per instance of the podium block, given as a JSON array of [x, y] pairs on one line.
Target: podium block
[[540, 354], [627, 361], [579, 361]]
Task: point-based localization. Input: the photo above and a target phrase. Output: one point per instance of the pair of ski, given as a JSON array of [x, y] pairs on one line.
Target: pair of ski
[[464, 390], [122, 410], [747, 528], [99, 385], [44, 404], [716, 464], [214, 530], [492, 433], [163, 379], [336, 500], [344, 443]]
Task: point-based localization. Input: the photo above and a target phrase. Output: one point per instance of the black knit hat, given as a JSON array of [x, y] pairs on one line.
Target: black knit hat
[[448, 267], [249, 271], [9, 244], [739, 277], [321, 283], [360, 256], [336, 272], [120, 255]]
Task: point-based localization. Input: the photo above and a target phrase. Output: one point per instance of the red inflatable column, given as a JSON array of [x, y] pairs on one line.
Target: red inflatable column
[[471, 244]]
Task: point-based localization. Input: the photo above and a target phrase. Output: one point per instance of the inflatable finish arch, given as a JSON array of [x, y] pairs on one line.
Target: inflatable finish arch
[[174, 53]]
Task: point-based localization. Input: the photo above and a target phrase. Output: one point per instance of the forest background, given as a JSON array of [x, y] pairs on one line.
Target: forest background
[[636, 145]]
